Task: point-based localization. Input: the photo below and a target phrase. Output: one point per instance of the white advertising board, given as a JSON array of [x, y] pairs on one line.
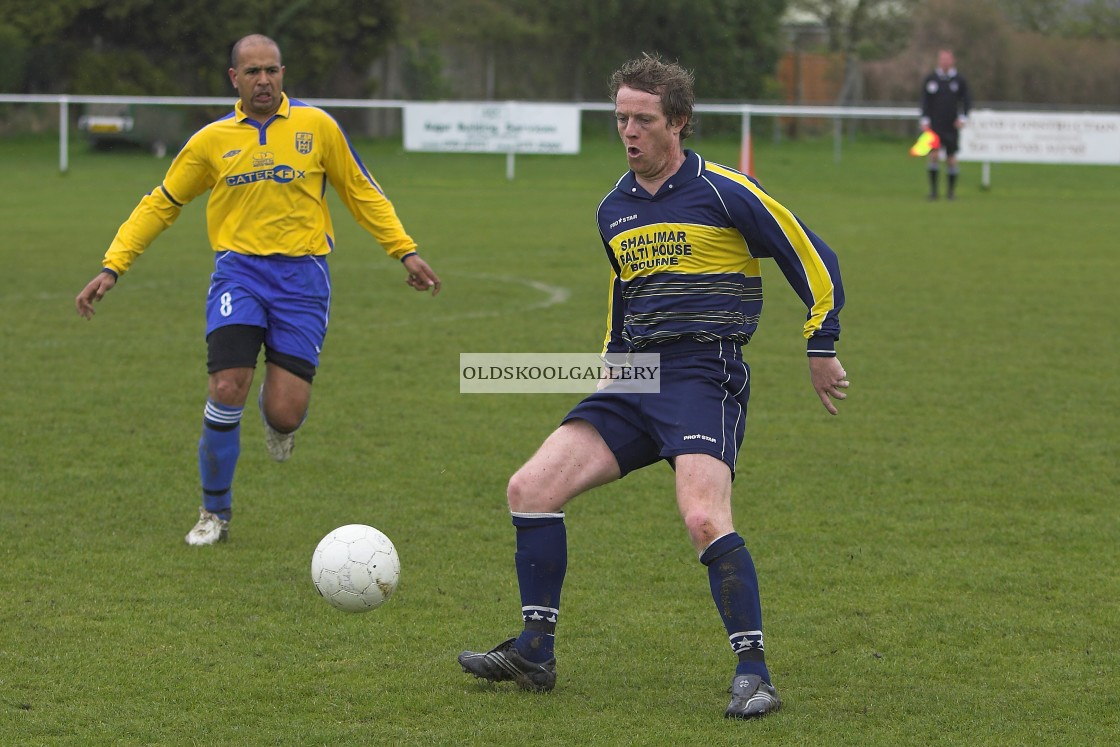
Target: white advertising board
[[508, 127], [1041, 137]]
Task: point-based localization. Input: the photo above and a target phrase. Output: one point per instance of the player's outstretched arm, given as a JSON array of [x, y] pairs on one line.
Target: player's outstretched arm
[[94, 291], [829, 380], [420, 276]]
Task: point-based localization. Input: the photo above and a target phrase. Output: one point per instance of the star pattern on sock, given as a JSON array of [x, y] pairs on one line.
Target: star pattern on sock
[[536, 614], [746, 641]]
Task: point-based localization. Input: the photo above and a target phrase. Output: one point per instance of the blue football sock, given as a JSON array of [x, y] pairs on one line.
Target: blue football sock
[[218, 450], [542, 561], [734, 584]]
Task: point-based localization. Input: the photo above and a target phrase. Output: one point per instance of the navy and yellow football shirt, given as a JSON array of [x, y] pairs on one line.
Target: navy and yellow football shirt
[[267, 187], [686, 261]]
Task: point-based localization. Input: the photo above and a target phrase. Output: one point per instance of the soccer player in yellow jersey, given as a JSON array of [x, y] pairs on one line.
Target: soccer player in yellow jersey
[[267, 165]]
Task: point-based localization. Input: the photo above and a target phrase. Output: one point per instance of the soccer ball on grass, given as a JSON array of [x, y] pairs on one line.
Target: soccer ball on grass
[[355, 568]]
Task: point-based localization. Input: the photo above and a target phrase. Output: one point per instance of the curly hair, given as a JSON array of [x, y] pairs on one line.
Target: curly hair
[[668, 80]]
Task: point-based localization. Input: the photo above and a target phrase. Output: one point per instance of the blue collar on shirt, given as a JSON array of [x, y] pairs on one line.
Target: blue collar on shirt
[[285, 111], [692, 168]]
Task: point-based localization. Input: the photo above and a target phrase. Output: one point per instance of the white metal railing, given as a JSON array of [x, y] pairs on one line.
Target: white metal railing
[[835, 113]]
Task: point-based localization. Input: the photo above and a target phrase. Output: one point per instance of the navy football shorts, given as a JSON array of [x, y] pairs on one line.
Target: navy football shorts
[[290, 297], [701, 408]]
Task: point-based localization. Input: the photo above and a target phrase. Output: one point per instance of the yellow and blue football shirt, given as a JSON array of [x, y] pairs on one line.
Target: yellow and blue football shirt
[[267, 187], [686, 261]]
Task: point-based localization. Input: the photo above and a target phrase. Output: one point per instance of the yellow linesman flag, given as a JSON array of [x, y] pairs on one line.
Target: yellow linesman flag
[[926, 142]]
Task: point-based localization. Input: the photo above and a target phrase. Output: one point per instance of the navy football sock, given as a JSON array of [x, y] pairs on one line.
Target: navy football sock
[[734, 584], [542, 561], [218, 450]]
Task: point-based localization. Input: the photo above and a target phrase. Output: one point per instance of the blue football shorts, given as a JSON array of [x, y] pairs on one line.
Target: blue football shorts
[[701, 408], [290, 297]]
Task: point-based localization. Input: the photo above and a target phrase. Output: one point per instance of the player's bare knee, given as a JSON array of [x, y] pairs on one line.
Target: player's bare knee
[[229, 389], [284, 421], [525, 495], [702, 527], [517, 492]]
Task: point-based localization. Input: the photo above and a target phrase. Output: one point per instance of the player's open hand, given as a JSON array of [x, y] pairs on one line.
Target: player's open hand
[[420, 276], [94, 291], [829, 380]]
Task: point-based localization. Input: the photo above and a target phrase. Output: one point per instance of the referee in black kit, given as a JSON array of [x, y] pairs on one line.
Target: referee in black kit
[[945, 105]]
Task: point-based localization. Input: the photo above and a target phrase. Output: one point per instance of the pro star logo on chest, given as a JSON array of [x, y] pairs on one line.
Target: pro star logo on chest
[[260, 160], [620, 221], [304, 141]]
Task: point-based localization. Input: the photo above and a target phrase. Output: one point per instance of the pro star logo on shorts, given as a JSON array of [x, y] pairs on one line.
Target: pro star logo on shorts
[[303, 142]]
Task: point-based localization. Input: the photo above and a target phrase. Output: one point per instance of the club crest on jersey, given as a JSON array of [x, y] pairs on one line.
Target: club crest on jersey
[[303, 142]]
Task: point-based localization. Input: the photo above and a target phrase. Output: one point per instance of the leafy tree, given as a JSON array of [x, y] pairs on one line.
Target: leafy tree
[[733, 46], [1005, 62], [1099, 19], [567, 49], [860, 30], [430, 27], [1043, 16], [145, 46], [14, 51], [1087, 19]]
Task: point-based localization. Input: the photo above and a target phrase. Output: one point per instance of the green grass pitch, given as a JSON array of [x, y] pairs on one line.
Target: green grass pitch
[[938, 563]]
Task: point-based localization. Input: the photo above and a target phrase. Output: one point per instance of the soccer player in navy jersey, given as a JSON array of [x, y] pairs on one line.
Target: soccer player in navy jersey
[[267, 165], [684, 238], [946, 102]]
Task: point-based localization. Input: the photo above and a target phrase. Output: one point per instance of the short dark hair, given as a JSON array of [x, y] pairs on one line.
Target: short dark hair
[[668, 80], [235, 50]]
